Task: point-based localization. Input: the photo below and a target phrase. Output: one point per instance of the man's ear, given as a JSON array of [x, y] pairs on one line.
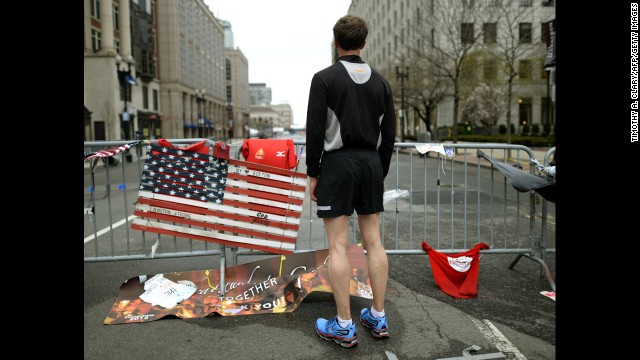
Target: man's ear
[[364, 42]]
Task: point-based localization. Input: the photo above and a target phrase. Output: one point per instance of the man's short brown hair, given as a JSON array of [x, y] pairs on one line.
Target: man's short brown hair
[[350, 32]]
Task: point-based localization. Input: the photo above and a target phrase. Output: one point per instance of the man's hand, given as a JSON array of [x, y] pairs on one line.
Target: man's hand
[[313, 182]]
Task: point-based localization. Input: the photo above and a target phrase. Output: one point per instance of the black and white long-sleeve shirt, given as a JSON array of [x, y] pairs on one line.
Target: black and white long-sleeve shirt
[[350, 106]]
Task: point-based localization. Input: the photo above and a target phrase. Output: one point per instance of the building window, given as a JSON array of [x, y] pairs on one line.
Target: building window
[[144, 61], [229, 93], [490, 32], [524, 69], [468, 69], [490, 69], [192, 114], [418, 18], [495, 3], [466, 33], [95, 8], [184, 108], [116, 22], [524, 111], [116, 42], [227, 64], [155, 99], [547, 2], [145, 97], [526, 3], [468, 3], [525, 32], [96, 40]]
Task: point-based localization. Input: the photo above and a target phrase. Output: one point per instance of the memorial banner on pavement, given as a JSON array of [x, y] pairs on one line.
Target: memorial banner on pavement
[[273, 285]]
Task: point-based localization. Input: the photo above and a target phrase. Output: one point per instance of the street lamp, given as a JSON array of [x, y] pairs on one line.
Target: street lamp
[[200, 103], [126, 80], [401, 76]]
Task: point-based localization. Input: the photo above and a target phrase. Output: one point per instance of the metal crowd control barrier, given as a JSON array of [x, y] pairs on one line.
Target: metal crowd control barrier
[[453, 203]]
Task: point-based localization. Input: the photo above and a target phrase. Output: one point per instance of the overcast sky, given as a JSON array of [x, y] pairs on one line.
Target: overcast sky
[[285, 42]]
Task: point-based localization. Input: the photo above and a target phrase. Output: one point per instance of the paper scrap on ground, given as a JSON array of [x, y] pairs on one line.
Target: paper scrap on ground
[[166, 293], [550, 294], [446, 151]]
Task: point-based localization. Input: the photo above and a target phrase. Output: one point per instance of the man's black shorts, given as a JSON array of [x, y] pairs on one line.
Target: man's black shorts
[[350, 179]]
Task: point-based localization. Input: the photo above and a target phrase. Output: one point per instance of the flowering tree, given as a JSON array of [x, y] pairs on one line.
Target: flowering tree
[[483, 106]]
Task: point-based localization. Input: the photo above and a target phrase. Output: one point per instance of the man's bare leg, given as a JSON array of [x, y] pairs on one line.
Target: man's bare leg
[[377, 261], [339, 268]]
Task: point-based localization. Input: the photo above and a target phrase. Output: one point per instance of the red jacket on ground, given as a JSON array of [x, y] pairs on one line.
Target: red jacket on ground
[[456, 274]]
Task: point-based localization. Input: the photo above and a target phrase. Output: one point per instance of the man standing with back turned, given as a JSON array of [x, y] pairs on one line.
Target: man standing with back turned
[[350, 137]]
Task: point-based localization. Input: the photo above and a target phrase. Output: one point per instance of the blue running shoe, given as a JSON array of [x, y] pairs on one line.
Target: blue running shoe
[[378, 326], [331, 330]]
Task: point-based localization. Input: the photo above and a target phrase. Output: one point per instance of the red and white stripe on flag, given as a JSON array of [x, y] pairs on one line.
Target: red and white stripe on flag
[[191, 195]]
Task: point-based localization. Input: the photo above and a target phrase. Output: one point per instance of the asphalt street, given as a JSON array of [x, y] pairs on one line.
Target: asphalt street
[[509, 318]]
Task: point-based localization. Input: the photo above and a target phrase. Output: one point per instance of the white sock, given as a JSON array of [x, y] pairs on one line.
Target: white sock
[[344, 323], [377, 314]]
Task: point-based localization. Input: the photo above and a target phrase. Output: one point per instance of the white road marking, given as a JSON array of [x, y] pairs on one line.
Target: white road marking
[[107, 229], [495, 336], [390, 355]]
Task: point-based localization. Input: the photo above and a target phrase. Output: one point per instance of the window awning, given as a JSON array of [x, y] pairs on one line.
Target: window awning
[[128, 78]]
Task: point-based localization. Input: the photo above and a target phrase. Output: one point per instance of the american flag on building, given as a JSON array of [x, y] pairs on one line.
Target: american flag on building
[[196, 196]]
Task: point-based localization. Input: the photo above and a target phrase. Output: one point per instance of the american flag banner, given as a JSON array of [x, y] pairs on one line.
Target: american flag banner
[[196, 196], [110, 152]]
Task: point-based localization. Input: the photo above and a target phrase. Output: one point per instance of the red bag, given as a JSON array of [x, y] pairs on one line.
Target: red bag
[[456, 274], [279, 153]]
